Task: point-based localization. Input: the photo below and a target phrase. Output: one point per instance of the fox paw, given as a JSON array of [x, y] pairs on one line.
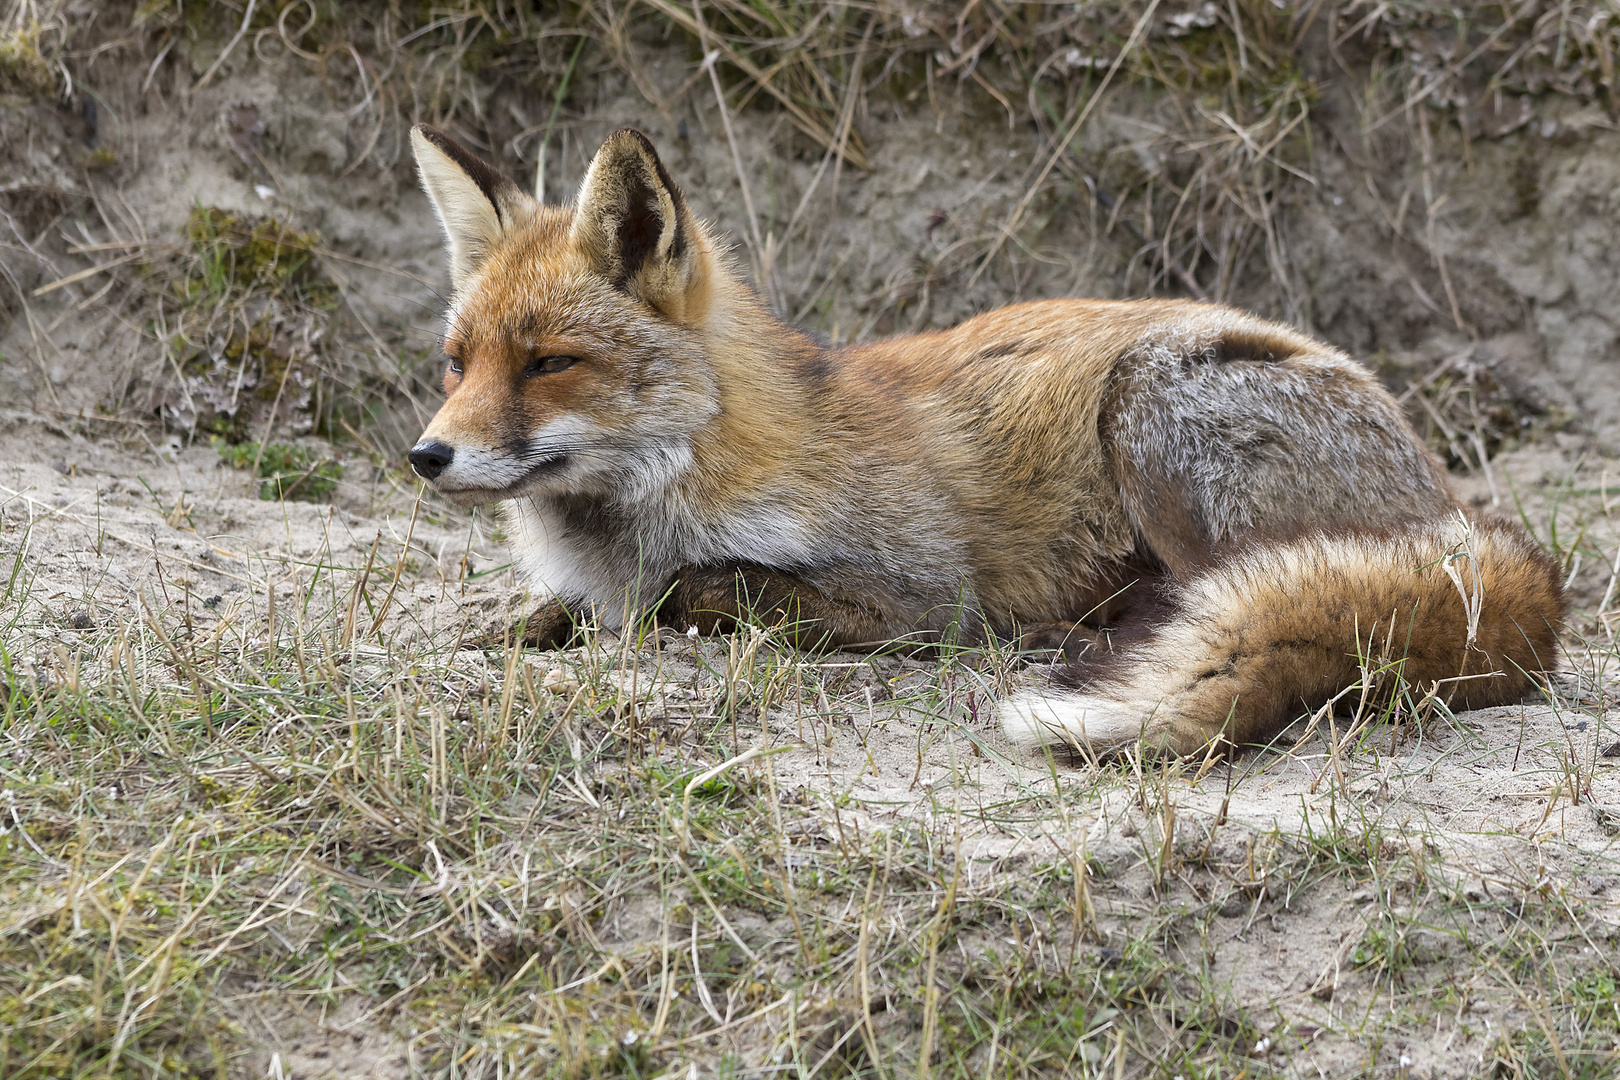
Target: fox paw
[[549, 626], [1071, 639]]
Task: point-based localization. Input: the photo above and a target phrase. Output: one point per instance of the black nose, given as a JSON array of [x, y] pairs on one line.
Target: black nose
[[431, 458]]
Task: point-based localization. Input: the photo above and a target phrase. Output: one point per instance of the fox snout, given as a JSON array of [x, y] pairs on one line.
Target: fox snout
[[430, 457], [471, 471]]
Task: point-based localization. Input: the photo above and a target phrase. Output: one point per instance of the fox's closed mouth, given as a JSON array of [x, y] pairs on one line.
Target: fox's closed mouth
[[545, 467], [480, 493]]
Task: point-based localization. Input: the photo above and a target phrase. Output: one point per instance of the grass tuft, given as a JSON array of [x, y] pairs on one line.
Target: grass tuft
[[287, 472], [23, 67]]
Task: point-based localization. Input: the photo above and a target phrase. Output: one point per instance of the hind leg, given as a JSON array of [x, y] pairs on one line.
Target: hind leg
[[1228, 434], [1072, 639], [1241, 430], [1128, 592]]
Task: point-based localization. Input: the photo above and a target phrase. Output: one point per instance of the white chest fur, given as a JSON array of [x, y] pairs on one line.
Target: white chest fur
[[630, 567]]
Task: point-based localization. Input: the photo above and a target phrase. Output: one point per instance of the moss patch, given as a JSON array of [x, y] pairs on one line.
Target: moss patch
[[237, 254], [23, 67], [287, 472]]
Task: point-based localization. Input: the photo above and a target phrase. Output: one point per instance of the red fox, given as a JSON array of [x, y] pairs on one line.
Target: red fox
[[1246, 507]]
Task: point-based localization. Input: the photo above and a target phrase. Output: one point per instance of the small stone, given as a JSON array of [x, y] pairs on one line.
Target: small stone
[[558, 682], [82, 620]]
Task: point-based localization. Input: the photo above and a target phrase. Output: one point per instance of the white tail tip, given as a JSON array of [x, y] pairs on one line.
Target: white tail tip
[[1034, 721]]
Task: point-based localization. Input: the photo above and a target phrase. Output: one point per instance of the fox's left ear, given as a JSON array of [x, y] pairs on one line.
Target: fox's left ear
[[632, 224], [475, 201]]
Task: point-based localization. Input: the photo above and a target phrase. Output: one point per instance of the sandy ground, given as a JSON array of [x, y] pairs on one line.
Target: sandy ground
[[1492, 807], [109, 527]]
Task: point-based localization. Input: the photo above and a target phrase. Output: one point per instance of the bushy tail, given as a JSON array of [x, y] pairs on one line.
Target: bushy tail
[[1472, 605]]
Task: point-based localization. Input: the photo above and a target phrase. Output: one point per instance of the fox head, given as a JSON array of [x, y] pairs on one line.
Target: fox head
[[575, 336]]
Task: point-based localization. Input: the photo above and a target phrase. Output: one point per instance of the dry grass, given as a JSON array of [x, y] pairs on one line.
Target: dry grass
[[226, 819], [298, 809]]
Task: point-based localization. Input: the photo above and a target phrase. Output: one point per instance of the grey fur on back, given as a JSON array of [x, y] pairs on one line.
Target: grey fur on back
[[1219, 436]]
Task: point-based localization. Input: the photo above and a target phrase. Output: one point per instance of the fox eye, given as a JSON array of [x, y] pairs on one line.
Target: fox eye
[[547, 365], [455, 365]]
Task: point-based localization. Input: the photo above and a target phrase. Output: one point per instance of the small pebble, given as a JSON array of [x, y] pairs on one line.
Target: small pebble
[[558, 682]]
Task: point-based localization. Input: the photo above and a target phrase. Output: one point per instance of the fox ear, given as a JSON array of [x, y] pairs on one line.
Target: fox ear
[[474, 200], [632, 224]]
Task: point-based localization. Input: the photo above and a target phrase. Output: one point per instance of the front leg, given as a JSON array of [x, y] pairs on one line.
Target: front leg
[[714, 599], [551, 625]]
